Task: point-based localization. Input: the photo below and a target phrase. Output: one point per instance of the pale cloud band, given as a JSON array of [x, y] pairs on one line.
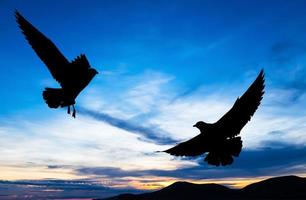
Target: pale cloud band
[[120, 143]]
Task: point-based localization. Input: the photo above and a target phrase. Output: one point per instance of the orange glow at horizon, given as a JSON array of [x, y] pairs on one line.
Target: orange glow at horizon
[[155, 183]]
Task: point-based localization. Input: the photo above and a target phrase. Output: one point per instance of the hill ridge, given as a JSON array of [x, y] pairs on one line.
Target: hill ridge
[[285, 188]]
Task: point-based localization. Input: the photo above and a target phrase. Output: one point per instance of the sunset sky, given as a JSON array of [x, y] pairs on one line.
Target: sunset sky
[[163, 66]]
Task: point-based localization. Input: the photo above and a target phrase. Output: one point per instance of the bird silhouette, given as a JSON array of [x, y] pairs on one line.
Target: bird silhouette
[[72, 76], [220, 139]]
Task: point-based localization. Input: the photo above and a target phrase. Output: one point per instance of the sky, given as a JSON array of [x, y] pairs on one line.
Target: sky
[[163, 66]]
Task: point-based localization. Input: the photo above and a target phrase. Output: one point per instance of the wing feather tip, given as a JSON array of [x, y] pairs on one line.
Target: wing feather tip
[[17, 13], [18, 16]]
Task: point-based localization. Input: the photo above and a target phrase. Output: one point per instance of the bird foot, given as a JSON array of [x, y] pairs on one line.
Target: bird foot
[[68, 110], [73, 112]]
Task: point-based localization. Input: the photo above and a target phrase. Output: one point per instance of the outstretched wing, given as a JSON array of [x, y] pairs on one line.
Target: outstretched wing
[[44, 48], [243, 109], [192, 147]]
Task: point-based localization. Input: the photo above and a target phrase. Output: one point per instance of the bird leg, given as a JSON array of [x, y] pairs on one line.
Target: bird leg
[[74, 111], [68, 110]]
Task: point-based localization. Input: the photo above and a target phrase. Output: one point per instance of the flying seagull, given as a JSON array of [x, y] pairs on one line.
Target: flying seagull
[[72, 76], [220, 139]]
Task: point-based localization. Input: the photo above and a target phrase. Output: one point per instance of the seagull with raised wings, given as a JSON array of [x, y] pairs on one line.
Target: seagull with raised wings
[[72, 76], [220, 139]]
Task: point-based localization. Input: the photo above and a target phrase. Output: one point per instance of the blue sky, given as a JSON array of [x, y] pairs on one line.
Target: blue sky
[[164, 65], [199, 43]]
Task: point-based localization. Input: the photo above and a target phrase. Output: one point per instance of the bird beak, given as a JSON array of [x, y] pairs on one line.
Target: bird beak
[[194, 126]]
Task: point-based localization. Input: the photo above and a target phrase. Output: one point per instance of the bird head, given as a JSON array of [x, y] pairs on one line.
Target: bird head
[[200, 125], [93, 71]]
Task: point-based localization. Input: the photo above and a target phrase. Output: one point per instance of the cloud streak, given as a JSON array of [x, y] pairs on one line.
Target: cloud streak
[[56, 189], [285, 51], [150, 133], [287, 159], [117, 145]]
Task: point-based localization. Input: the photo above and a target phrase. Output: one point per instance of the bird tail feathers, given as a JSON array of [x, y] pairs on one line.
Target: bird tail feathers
[[53, 97], [224, 156]]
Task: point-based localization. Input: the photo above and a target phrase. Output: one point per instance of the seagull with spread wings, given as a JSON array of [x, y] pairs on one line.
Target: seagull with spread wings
[[220, 139], [72, 76]]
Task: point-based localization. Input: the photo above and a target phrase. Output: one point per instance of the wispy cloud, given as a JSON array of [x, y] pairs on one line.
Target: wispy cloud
[[116, 143], [277, 113], [150, 133], [56, 189], [286, 159], [73, 142], [285, 51]]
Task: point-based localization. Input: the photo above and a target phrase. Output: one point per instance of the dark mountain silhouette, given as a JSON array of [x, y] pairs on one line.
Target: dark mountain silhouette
[[73, 76], [220, 139], [281, 187], [284, 188]]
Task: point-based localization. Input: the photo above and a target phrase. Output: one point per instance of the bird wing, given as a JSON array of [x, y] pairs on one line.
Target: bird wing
[[44, 48], [243, 109], [192, 147]]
